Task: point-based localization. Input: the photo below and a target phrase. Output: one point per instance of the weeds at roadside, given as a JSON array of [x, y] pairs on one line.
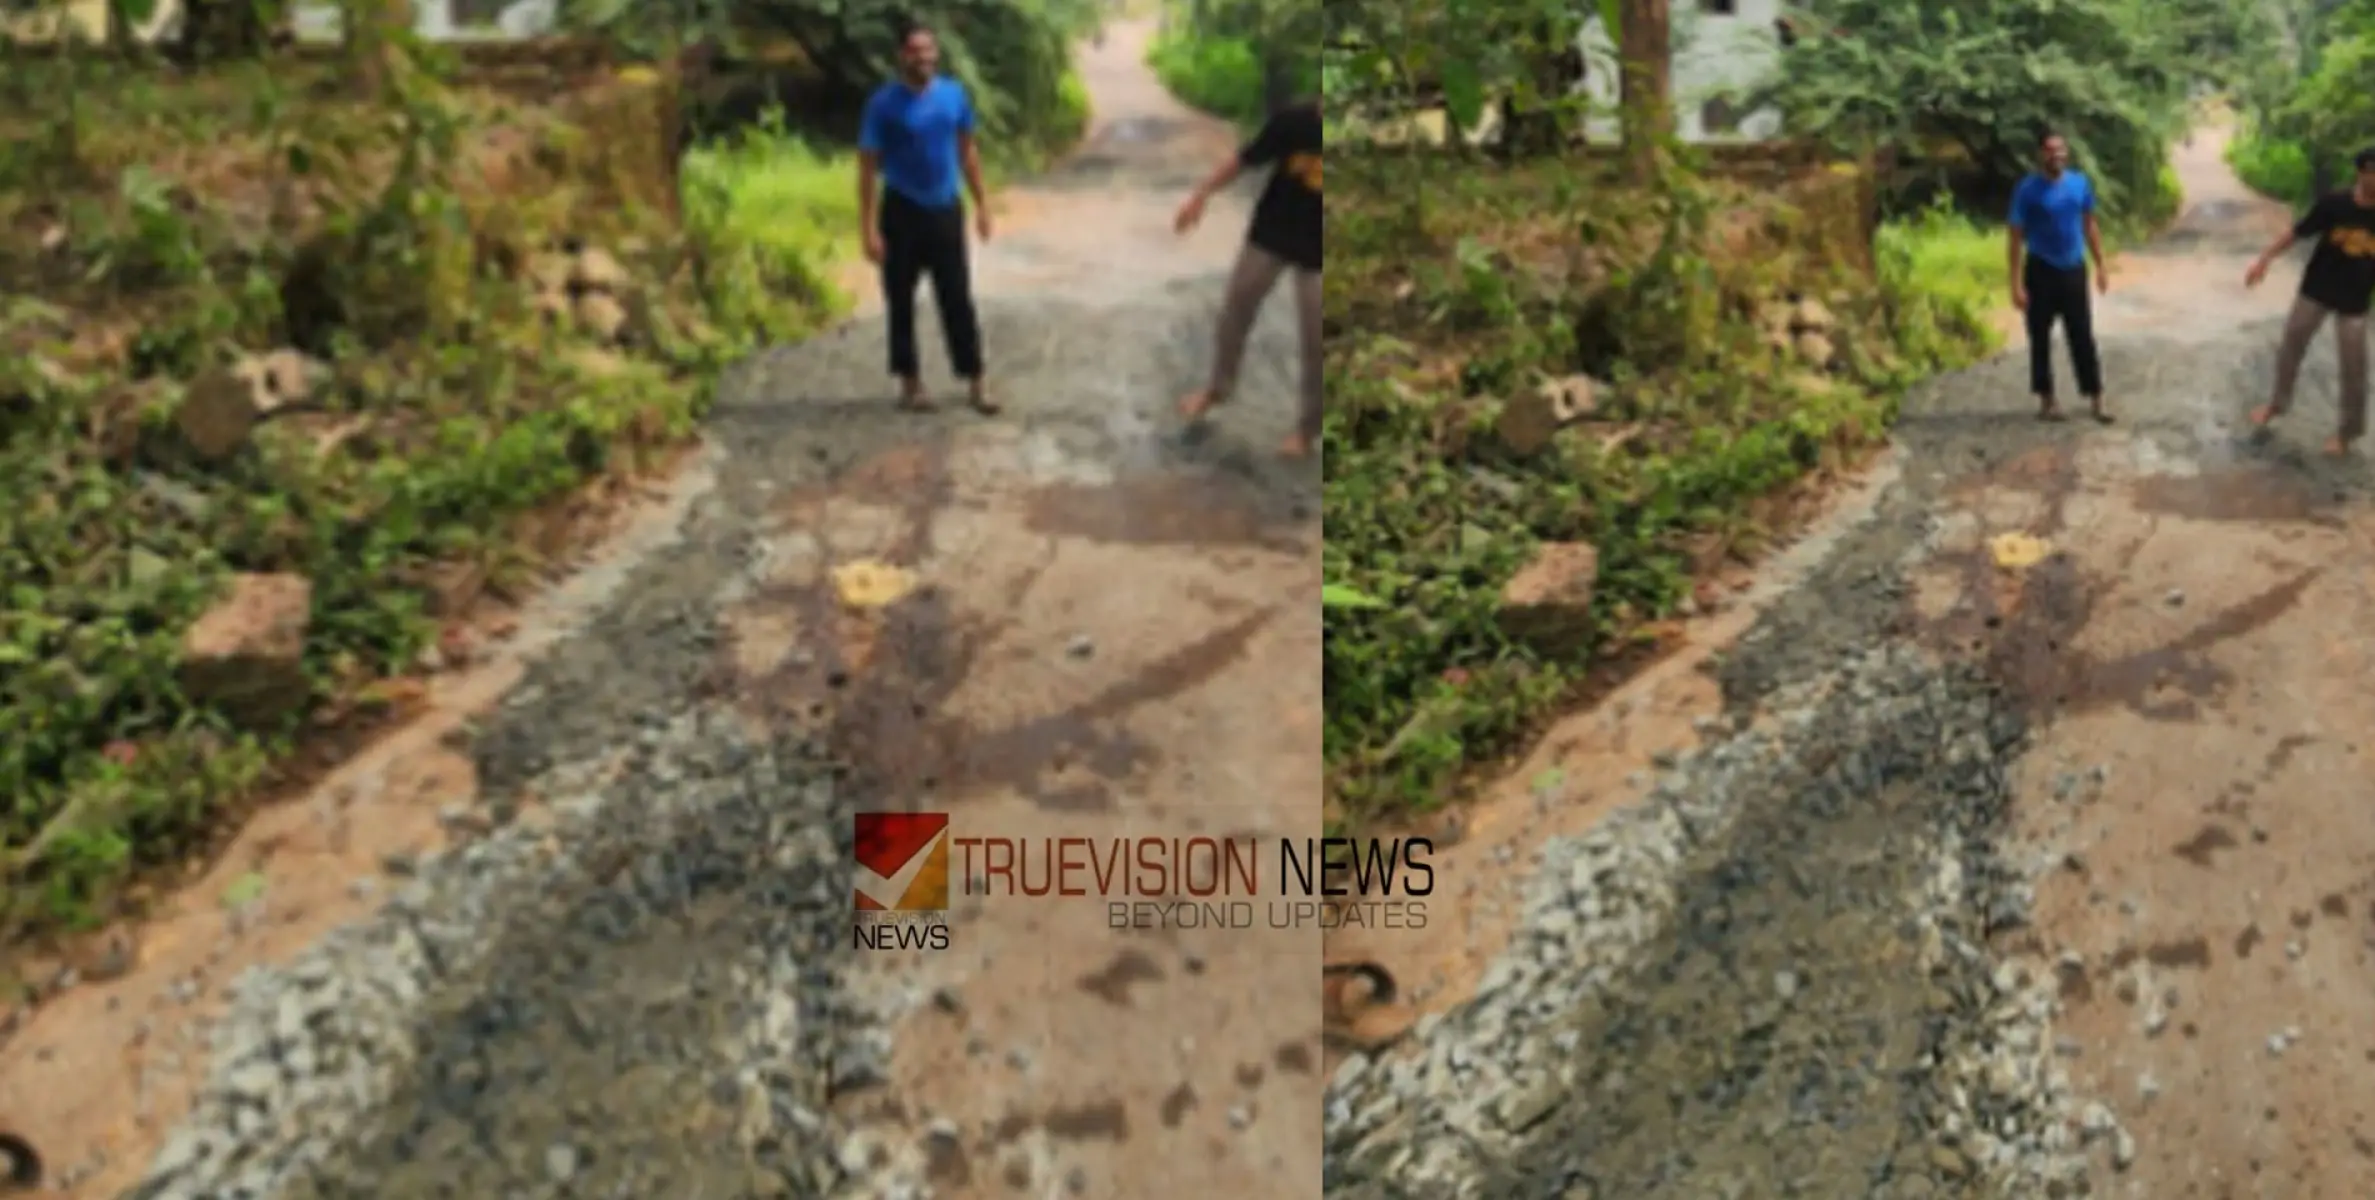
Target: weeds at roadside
[[1456, 284], [167, 227]]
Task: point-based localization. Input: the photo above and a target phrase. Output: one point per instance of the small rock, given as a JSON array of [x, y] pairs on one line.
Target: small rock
[[2175, 598], [596, 270], [1949, 1162], [1081, 646], [2096, 1119], [603, 316], [1239, 1116], [246, 655], [1547, 605], [1815, 349], [219, 411], [2123, 1150], [1785, 984]]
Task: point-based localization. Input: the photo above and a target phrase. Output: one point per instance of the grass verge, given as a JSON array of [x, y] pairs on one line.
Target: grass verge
[[1456, 284]]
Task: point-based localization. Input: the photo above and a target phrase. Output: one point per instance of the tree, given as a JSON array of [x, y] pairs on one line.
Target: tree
[[1985, 77], [214, 30], [1013, 55], [1645, 52]]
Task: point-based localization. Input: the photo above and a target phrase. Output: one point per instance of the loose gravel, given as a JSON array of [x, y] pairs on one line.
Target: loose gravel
[[636, 983], [1781, 973]]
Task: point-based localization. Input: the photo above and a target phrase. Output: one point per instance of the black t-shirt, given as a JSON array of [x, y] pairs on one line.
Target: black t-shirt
[[2341, 273], [1287, 220]]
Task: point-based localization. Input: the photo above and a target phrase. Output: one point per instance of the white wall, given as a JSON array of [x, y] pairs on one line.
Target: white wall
[[1713, 54]]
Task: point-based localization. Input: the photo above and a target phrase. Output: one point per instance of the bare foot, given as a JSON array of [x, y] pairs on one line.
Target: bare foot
[[2339, 447], [982, 402], [914, 398], [2261, 417], [1296, 445], [2049, 411], [2101, 413], [1194, 406]]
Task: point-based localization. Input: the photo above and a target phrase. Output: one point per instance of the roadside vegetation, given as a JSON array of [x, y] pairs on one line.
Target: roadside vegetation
[[313, 359], [1714, 334], [1235, 59], [2306, 106]]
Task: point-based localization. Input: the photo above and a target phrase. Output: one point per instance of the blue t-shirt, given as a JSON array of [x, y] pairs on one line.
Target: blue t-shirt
[[2051, 216], [914, 132]]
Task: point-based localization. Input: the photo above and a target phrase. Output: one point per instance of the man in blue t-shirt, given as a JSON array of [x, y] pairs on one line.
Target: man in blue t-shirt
[[915, 145], [2053, 222]]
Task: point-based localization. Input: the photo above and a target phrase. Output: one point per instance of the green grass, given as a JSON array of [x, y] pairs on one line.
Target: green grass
[[783, 210], [2279, 169], [1953, 263], [1221, 76], [1456, 283]]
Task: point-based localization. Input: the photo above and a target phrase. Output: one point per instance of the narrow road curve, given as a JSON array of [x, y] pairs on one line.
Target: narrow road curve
[[623, 967], [2026, 855]]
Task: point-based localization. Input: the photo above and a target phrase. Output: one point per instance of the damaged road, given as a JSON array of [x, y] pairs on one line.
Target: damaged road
[[628, 968], [1960, 891]]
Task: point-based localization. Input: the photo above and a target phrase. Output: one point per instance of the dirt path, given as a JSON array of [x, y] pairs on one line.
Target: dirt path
[[1980, 865], [586, 930]]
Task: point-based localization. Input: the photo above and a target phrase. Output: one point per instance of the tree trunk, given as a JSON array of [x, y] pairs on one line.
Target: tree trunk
[[214, 30], [1646, 85], [374, 34]]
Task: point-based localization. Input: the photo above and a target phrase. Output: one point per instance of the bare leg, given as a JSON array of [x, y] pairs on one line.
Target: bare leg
[[1250, 282]]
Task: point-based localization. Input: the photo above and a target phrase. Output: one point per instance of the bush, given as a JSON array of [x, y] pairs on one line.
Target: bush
[[1951, 265], [2279, 169], [1221, 76], [778, 212]]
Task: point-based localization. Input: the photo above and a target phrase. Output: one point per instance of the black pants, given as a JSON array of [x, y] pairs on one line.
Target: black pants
[[919, 241], [2059, 294]]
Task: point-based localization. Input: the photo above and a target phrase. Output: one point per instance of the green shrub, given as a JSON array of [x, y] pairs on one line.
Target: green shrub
[[2277, 168], [1221, 76], [1950, 266], [772, 214]]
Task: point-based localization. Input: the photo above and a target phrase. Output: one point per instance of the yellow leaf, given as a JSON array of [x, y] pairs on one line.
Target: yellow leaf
[[870, 584], [2017, 551]]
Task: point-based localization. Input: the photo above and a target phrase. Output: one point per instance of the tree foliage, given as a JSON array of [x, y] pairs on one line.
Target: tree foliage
[[1987, 77], [1285, 36], [1014, 55], [2316, 99]]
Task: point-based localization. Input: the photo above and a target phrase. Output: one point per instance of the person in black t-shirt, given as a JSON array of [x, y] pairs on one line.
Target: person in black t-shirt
[[1285, 235], [2338, 283]]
